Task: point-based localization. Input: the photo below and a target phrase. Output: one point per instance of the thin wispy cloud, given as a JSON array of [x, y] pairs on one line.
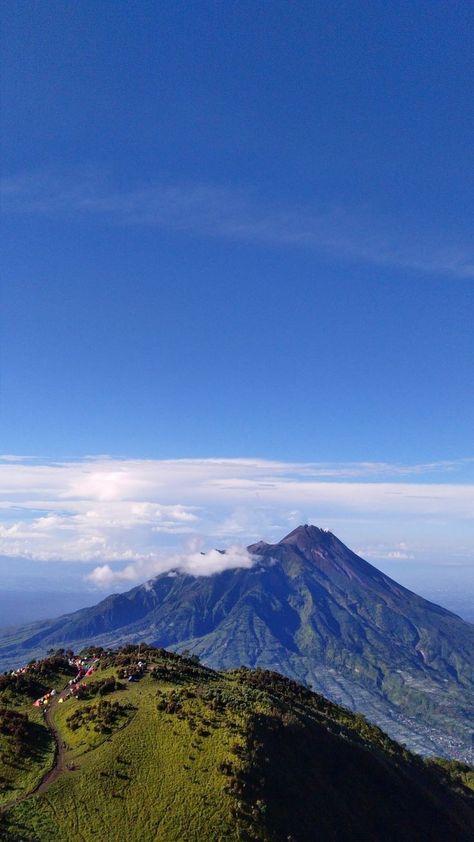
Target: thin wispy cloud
[[133, 512], [240, 215]]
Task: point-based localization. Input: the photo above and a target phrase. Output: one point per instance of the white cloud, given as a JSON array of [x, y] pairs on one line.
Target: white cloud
[[13, 457], [194, 562], [381, 551], [137, 513]]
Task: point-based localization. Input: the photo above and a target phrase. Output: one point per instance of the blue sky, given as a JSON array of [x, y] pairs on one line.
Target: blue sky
[[240, 230]]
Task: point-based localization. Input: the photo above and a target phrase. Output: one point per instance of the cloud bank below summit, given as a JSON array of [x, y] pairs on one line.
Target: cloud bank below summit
[[193, 561], [134, 518]]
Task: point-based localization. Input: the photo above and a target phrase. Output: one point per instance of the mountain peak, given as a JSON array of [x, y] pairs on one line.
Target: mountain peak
[[306, 535]]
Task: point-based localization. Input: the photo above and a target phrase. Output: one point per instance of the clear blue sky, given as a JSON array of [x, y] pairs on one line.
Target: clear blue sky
[[238, 228]]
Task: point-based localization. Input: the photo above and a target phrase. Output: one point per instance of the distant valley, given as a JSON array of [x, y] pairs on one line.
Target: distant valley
[[20, 606]]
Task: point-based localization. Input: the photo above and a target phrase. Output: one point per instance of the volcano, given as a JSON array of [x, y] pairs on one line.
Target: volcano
[[309, 608]]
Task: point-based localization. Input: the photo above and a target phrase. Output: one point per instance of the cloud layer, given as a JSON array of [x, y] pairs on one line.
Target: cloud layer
[[132, 516]]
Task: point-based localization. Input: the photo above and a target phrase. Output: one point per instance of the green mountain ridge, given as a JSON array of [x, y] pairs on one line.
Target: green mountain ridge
[[155, 747], [311, 609]]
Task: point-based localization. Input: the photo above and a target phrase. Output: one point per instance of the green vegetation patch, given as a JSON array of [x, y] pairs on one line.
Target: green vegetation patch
[[102, 687], [27, 747], [19, 688], [26, 753], [102, 717], [187, 754]]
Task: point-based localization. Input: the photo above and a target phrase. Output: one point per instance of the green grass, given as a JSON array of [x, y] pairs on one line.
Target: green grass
[[156, 777], [23, 764], [21, 771], [201, 756], [152, 781]]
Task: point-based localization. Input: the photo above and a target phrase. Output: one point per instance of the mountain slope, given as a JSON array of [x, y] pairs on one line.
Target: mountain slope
[[314, 610], [185, 752]]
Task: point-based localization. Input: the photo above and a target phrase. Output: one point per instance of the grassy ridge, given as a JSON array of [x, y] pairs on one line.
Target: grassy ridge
[[24, 761], [186, 754], [27, 747], [153, 775]]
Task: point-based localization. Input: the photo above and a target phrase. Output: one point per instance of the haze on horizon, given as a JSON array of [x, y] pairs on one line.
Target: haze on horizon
[[239, 288]]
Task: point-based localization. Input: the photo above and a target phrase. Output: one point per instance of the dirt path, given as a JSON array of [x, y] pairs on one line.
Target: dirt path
[[58, 763], [59, 753]]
